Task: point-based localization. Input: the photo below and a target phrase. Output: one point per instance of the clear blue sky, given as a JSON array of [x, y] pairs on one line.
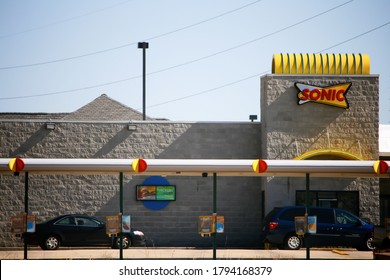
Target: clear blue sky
[[204, 61]]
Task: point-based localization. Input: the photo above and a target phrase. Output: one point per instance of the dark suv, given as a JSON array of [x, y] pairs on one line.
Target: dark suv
[[335, 227]]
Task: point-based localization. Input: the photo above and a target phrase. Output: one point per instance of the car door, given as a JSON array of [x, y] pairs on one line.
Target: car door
[[67, 229], [326, 234], [349, 228], [90, 231]]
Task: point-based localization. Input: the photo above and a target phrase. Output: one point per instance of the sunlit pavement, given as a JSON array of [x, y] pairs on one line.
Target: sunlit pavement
[[184, 253]]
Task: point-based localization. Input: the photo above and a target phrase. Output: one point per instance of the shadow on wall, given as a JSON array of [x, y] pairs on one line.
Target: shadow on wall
[[32, 141], [176, 225], [119, 138], [239, 199], [216, 141]]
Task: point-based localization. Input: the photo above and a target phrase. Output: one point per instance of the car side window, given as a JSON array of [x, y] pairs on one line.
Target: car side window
[[323, 215], [87, 222], [68, 221], [345, 218]]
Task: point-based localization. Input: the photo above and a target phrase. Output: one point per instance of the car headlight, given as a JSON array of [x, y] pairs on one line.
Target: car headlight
[[137, 232]]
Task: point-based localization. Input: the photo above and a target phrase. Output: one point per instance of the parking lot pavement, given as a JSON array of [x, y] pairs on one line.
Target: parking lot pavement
[[185, 253]]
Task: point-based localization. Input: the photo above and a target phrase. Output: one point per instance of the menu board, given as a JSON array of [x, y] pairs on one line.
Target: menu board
[[312, 224], [156, 193], [113, 225], [126, 223], [211, 224], [220, 224], [205, 225], [30, 223], [17, 224], [300, 225], [23, 223]]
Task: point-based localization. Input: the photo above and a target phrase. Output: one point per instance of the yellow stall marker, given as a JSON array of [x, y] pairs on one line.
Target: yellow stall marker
[[339, 252]]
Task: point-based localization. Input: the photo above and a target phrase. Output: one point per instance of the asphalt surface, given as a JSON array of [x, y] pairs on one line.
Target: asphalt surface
[[183, 253]]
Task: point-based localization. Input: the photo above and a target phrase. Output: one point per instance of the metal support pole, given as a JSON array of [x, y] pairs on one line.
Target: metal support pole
[[307, 203], [121, 211], [214, 215], [144, 84], [143, 46], [25, 210]]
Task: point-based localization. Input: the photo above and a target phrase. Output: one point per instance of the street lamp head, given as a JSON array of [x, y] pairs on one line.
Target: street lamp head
[[253, 117], [143, 45]]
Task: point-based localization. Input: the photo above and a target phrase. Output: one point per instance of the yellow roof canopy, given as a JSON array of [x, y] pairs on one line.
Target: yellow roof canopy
[[321, 64]]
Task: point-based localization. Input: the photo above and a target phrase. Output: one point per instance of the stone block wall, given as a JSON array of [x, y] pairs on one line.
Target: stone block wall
[[289, 130], [238, 199], [293, 129]]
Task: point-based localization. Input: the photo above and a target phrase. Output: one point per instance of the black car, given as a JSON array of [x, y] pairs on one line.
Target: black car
[[79, 230], [335, 227]]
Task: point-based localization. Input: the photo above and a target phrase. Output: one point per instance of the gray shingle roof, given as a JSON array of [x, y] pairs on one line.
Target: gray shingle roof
[[104, 108]]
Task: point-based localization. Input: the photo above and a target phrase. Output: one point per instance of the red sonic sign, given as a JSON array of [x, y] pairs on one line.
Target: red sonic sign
[[334, 95]]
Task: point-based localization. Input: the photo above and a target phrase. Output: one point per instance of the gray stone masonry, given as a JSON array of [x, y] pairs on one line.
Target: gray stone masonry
[[238, 199], [289, 130]]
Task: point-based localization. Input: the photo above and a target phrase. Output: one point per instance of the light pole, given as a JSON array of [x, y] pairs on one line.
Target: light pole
[[143, 46]]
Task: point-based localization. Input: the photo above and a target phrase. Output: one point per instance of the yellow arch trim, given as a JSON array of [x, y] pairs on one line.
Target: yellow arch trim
[[320, 152]]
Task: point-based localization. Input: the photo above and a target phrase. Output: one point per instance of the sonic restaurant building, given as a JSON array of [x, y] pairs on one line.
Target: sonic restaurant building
[[313, 106]]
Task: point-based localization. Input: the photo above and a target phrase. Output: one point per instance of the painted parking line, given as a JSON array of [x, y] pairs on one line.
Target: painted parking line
[[339, 252]]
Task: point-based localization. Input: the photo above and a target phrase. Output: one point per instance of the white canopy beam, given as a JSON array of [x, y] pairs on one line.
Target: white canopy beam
[[198, 167]]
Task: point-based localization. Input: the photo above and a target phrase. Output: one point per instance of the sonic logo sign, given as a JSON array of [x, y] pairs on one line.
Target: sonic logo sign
[[332, 95]]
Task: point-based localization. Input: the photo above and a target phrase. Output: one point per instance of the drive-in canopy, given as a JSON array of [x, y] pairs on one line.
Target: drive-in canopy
[[197, 167]]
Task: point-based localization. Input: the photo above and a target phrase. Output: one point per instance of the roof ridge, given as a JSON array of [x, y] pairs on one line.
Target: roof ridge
[[118, 102], [105, 108]]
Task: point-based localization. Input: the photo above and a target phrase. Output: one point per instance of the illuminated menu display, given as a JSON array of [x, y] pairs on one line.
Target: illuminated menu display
[[156, 193]]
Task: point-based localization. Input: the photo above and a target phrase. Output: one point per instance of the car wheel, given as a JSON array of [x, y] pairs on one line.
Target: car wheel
[[292, 242], [126, 242], [367, 246], [52, 242]]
